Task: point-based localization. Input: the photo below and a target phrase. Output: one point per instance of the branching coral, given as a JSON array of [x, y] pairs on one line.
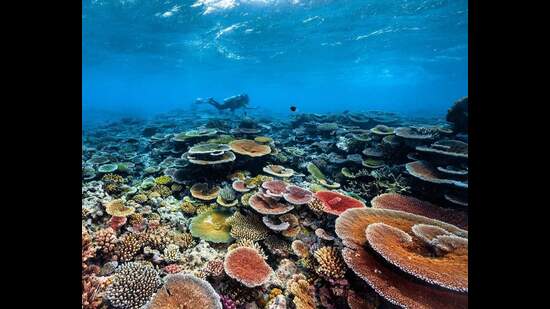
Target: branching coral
[[88, 248], [133, 284], [93, 289], [172, 253], [129, 245], [303, 291], [158, 237], [106, 239], [214, 268], [330, 263]]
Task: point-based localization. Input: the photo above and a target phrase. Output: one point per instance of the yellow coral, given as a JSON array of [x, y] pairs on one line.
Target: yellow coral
[[140, 198], [246, 197], [163, 180], [188, 207], [118, 208], [135, 219], [330, 262], [248, 227], [163, 190], [257, 181], [113, 178], [176, 187], [303, 291]]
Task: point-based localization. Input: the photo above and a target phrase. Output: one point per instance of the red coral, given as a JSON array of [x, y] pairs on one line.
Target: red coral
[[172, 268], [116, 222], [336, 203]]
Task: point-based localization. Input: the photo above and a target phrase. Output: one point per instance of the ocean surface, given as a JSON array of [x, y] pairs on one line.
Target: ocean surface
[[144, 57]]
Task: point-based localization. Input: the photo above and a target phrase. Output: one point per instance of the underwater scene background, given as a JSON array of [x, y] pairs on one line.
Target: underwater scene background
[[274, 154], [143, 57]]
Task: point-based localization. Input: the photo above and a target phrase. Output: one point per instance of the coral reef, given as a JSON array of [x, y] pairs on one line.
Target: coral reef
[[358, 210]]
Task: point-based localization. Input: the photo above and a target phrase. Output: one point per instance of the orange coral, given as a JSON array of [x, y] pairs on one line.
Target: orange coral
[[185, 292], [247, 266], [203, 191], [249, 148], [410, 204], [394, 285], [398, 248]]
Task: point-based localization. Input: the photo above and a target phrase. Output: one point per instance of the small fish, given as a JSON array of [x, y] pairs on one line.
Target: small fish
[[292, 108]]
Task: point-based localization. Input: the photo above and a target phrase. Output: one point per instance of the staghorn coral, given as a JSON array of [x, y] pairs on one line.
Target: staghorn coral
[[112, 183], [133, 285], [140, 198], [137, 221], [303, 291], [257, 181], [330, 264], [247, 266], [185, 292], [247, 227], [187, 206], [162, 190]]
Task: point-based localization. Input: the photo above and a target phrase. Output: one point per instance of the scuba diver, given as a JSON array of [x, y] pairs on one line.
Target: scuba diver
[[231, 103]]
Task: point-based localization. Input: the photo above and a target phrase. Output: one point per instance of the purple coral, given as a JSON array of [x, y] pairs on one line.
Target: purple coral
[[227, 302]]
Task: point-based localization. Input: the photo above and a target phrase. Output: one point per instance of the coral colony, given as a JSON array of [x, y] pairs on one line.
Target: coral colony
[[351, 210]]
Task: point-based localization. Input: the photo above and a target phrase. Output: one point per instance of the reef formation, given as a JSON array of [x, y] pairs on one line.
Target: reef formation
[[345, 210]]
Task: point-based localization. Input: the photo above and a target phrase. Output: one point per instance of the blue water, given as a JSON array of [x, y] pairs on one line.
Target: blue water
[[143, 57]]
